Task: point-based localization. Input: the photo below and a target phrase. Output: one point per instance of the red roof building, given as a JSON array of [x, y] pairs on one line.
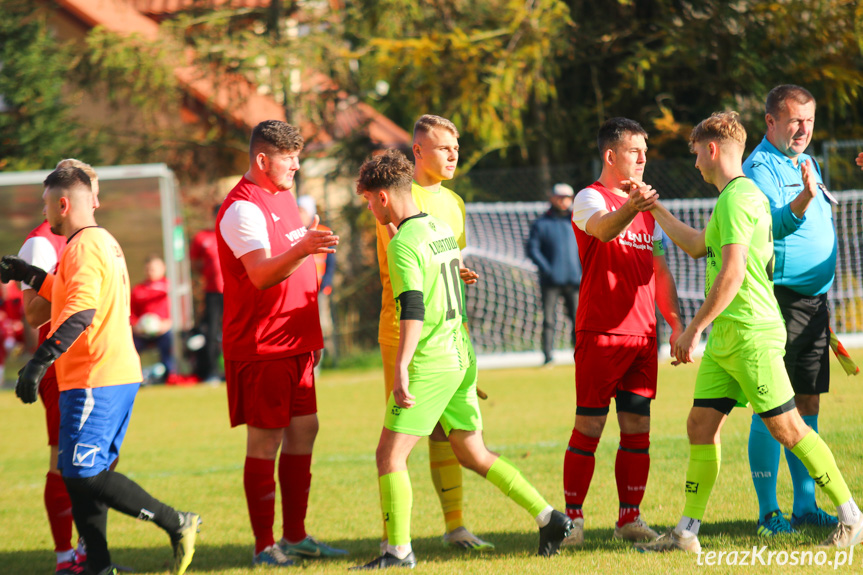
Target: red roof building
[[231, 96]]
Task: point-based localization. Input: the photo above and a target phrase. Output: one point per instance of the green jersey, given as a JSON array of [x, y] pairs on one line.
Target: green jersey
[[742, 216], [423, 256]]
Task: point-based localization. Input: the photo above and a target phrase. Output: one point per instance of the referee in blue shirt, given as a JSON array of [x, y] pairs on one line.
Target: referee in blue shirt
[[805, 252]]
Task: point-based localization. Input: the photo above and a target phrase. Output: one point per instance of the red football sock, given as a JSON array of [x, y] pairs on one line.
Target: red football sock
[[260, 485], [630, 469], [578, 465], [295, 479], [59, 508]]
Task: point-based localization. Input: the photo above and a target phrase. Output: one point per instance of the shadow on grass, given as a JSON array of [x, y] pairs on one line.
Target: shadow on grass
[[728, 535]]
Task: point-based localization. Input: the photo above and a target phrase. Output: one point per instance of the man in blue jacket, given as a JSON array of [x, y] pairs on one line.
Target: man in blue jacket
[[552, 247]]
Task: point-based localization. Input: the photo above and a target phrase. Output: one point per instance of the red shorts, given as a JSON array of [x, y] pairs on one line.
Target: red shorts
[[50, 394], [268, 393], [606, 364]]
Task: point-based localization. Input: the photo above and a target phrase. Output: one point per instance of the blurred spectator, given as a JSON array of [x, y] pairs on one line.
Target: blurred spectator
[[326, 268], [151, 315], [551, 245], [11, 324], [204, 254]]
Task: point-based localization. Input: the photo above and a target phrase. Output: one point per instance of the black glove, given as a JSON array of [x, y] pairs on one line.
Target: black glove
[[14, 268], [31, 375]]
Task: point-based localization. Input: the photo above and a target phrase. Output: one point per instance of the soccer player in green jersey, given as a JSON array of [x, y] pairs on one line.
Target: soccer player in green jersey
[[742, 362], [435, 371]]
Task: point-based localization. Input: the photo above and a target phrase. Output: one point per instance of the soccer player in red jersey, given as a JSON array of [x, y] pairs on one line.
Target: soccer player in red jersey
[[271, 336], [624, 276]]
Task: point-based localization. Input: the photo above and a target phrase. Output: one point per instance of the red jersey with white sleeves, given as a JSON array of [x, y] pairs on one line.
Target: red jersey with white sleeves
[[151, 297], [279, 321], [618, 291], [42, 249]]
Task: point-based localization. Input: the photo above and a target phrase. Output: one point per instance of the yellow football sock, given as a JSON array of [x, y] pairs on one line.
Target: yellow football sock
[[447, 479]]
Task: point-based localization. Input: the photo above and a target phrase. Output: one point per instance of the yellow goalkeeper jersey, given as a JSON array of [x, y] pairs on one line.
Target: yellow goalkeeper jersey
[[443, 204]]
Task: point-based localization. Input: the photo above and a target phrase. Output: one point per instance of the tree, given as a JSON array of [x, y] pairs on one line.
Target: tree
[[491, 67], [670, 63], [36, 126]]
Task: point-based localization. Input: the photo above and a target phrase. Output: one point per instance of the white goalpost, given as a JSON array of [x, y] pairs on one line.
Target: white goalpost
[[140, 206], [505, 308]]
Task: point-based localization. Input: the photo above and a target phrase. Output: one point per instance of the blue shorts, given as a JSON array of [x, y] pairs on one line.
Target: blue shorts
[[93, 423]]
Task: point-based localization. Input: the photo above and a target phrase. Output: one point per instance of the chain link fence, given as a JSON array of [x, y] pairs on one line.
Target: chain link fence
[[357, 297]]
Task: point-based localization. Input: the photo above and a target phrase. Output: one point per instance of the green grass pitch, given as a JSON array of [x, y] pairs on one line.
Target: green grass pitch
[[181, 449]]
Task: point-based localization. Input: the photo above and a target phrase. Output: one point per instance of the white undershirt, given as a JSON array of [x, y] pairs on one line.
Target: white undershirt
[[40, 252], [244, 228]]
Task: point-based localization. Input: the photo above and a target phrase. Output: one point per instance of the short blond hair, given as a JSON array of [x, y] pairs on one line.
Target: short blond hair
[[719, 127], [429, 122], [73, 163]]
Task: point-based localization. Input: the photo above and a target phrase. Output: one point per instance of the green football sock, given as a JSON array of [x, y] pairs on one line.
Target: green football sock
[[700, 476], [818, 459], [506, 477], [396, 503]]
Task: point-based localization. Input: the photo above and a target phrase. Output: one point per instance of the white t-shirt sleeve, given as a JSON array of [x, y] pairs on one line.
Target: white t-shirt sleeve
[[244, 228], [587, 202], [40, 252], [658, 234]]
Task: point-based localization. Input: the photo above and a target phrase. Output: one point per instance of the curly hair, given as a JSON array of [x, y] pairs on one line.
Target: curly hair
[[273, 136], [390, 171]]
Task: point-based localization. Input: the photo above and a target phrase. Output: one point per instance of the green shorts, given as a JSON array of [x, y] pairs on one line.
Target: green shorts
[[745, 363], [445, 396]]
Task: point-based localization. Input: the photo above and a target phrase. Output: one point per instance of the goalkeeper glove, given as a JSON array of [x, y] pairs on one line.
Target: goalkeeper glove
[[31, 374], [14, 268]]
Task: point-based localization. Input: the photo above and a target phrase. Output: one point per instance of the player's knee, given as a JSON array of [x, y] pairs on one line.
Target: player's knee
[[381, 459], [388, 460], [787, 428], [310, 430], [590, 420], [474, 459], [87, 486], [808, 404]]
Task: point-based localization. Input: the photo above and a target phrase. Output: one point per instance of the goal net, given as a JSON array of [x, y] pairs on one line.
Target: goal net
[[505, 306]]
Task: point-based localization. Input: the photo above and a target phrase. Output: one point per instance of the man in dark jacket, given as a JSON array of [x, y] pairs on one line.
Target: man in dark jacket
[[552, 247]]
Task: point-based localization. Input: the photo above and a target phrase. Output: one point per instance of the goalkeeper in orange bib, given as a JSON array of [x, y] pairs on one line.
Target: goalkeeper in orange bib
[[98, 371], [435, 148]]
